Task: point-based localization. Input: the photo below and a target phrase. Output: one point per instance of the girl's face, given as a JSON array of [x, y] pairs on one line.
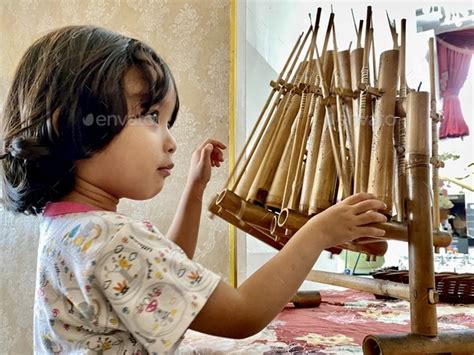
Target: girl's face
[[137, 161]]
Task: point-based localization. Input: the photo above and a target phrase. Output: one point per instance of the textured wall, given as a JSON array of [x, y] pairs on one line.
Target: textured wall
[[192, 37]]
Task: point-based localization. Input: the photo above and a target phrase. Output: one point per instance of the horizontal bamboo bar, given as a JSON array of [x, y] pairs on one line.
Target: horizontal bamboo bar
[[379, 287], [393, 230], [452, 342], [243, 210], [294, 221], [232, 219]]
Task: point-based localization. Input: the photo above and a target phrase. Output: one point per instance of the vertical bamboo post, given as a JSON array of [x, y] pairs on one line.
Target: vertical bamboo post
[[364, 137], [343, 126], [356, 67], [401, 128], [381, 159], [434, 136], [423, 296]]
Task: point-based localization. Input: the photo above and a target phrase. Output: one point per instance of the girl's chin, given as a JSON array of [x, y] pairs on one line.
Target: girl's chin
[[147, 195]]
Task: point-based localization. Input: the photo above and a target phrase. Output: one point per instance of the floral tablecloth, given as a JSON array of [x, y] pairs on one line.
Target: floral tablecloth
[[337, 326]]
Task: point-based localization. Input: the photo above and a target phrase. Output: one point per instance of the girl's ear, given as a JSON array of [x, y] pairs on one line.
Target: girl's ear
[[55, 122]]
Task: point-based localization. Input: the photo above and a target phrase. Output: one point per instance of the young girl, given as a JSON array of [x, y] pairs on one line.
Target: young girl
[[87, 122]]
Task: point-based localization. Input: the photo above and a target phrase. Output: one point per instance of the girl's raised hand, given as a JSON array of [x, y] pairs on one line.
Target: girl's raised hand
[[209, 154], [348, 220]]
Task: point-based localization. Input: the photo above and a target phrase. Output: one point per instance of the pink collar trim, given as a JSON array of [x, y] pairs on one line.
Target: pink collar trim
[[64, 207]]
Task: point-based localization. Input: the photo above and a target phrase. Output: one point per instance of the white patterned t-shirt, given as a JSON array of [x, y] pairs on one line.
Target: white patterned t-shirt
[[109, 284]]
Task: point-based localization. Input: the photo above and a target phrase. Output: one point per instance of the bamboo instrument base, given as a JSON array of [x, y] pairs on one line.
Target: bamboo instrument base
[[456, 342]]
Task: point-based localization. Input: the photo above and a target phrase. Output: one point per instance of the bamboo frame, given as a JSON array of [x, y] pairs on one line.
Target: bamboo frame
[[305, 151]]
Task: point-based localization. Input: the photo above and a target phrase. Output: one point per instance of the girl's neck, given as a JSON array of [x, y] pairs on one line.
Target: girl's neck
[[87, 193]]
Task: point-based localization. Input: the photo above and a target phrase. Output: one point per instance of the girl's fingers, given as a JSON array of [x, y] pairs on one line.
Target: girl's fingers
[[368, 205], [214, 142], [370, 232], [359, 197], [206, 152], [371, 217]]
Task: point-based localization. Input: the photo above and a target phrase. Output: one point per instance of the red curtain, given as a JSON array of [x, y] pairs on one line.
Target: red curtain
[[454, 57]]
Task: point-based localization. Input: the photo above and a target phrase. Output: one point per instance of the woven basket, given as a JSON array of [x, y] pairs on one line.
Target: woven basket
[[451, 287]]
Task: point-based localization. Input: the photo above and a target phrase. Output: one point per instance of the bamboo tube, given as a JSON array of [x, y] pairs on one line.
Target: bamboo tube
[[400, 142], [345, 108], [232, 219], [305, 299], [291, 220], [344, 59], [315, 140], [400, 129], [294, 183], [398, 231], [374, 66], [343, 126], [243, 187], [452, 342], [275, 229], [381, 160], [266, 171], [356, 67], [379, 287], [314, 143], [275, 194], [358, 30], [393, 31], [364, 138], [420, 240], [434, 136], [370, 248], [261, 148], [298, 142], [286, 114], [297, 179], [330, 119], [243, 210], [324, 189]]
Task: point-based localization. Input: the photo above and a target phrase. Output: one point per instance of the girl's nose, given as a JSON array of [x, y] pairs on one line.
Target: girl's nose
[[170, 144]]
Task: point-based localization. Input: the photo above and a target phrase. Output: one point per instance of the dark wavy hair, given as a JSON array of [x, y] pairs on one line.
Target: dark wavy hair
[[72, 73]]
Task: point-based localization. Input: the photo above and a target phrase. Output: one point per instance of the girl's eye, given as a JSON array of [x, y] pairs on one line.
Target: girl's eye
[[154, 116]]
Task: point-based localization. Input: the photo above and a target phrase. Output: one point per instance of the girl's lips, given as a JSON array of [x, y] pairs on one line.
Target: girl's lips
[[164, 171]]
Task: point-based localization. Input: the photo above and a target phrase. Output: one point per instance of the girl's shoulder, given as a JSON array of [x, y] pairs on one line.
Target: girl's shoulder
[[87, 233]]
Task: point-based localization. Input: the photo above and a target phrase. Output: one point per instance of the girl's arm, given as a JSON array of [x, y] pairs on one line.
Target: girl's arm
[[185, 226], [242, 312]]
